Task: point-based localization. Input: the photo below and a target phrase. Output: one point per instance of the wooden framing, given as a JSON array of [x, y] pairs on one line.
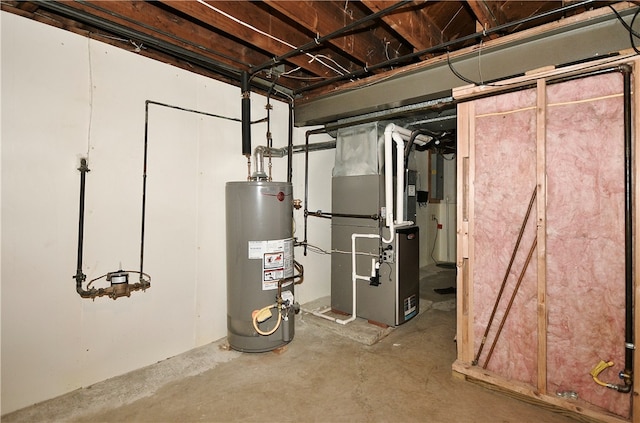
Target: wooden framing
[[464, 365], [465, 174], [541, 232]]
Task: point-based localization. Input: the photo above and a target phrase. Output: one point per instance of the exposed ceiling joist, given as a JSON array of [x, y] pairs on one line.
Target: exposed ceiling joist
[[574, 39], [304, 49], [412, 24]]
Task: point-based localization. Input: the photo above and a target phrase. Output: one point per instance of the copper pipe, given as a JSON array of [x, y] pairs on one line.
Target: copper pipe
[[506, 276], [513, 296]]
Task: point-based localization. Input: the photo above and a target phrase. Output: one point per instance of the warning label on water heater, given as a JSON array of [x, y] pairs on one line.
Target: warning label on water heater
[[277, 261]]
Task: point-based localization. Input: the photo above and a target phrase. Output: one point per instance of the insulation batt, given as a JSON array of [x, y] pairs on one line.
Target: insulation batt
[[505, 176], [584, 239]]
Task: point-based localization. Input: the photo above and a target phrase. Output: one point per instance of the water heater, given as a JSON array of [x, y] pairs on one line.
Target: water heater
[[260, 265]]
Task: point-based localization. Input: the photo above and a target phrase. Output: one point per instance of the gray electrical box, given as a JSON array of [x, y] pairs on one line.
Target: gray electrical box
[[437, 176], [410, 195]]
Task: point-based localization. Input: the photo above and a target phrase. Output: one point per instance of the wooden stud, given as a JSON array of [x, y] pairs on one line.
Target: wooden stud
[[465, 321], [541, 198], [469, 268]]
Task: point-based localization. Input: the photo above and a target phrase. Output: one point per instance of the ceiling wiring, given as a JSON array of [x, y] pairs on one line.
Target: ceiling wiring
[[303, 78], [372, 54], [97, 6], [329, 58], [632, 33], [451, 20], [446, 46], [266, 34], [458, 74], [480, 62], [288, 74]]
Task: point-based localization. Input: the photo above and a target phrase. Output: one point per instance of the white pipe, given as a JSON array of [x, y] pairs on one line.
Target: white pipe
[[321, 314], [399, 177], [354, 276], [421, 139], [397, 134], [388, 181]]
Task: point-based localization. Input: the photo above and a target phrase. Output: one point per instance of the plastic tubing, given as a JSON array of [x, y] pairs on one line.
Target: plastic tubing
[[255, 320]]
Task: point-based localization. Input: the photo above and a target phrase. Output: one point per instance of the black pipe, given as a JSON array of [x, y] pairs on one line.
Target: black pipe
[[442, 47], [328, 215], [80, 277], [246, 115], [185, 109], [290, 143], [306, 185], [414, 135], [144, 185], [627, 374], [144, 282], [306, 169], [320, 40]]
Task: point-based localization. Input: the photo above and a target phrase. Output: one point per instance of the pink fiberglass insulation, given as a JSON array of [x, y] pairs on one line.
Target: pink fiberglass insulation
[[585, 237], [504, 179]]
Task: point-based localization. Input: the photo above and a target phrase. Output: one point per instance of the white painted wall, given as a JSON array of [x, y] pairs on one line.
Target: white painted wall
[[317, 266], [437, 245], [66, 97]]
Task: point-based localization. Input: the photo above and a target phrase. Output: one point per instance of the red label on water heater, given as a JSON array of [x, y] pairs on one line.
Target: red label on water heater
[[280, 196]]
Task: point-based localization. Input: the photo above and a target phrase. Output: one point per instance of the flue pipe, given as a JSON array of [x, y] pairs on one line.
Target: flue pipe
[[397, 134], [388, 181], [258, 156]]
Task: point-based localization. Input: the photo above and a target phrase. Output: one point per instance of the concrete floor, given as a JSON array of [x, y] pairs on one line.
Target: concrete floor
[[324, 375]]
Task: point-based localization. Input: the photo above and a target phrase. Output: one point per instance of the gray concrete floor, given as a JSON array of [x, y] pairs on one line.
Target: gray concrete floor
[[323, 375]]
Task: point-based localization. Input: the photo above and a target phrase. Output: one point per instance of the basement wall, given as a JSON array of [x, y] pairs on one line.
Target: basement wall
[[66, 97]]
